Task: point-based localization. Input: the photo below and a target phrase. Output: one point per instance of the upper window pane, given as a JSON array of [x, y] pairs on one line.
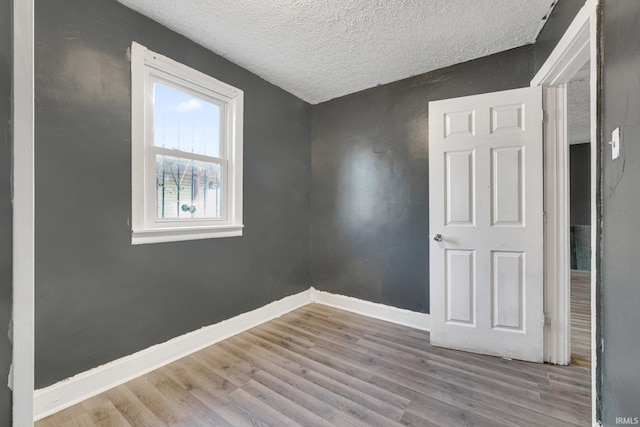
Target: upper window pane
[[186, 122]]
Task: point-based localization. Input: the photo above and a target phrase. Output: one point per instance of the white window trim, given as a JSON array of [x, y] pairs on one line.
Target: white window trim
[[148, 66]]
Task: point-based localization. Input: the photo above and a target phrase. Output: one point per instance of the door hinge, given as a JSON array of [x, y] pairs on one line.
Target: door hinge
[[546, 320]]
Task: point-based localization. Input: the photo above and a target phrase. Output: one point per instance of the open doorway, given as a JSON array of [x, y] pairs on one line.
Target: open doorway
[[579, 137], [576, 50]]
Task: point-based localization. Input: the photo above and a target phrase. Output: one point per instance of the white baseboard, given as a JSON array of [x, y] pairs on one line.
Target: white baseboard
[[90, 383], [371, 309]]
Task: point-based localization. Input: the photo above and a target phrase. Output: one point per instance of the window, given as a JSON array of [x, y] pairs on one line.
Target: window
[[186, 152]]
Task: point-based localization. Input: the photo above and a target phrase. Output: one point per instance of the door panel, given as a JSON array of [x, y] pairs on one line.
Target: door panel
[[485, 185], [507, 118], [507, 290], [460, 190], [459, 123], [460, 287], [507, 186]]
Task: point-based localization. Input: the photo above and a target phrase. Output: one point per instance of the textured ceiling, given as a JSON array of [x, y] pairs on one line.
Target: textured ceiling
[[579, 107], [320, 50]]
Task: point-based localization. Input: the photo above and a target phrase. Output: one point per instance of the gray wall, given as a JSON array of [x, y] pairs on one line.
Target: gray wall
[[557, 23], [620, 268], [580, 205], [580, 183], [370, 179], [5, 208], [97, 297]]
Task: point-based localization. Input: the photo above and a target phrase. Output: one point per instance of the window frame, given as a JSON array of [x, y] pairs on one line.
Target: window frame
[[148, 68]]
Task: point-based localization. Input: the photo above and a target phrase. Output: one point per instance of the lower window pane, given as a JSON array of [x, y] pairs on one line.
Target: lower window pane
[[188, 188]]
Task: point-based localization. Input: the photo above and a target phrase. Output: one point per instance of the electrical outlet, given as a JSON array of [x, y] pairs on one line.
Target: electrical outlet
[[615, 144]]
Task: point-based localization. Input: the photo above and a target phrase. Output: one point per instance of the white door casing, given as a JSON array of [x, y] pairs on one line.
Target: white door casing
[[578, 45], [486, 201]]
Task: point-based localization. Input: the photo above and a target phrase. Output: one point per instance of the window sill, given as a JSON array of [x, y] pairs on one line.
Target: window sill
[[142, 237]]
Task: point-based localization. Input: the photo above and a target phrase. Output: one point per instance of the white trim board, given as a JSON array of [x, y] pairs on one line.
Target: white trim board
[[90, 383], [571, 53], [574, 49], [23, 194], [63, 394], [371, 309]]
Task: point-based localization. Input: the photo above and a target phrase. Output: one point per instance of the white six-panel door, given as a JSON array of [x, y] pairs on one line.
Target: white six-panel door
[[486, 206]]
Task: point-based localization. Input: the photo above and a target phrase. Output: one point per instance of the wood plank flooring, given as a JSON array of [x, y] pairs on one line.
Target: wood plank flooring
[[581, 318], [320, 366]]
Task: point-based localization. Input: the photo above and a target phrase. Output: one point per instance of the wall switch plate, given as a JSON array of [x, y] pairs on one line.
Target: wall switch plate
[[615, 144]]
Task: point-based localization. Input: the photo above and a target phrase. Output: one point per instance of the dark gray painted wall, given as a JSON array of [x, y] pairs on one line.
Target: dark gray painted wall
[[5, 208], [580, 205], [97, 297], [580, 183], [620, 269], [370, 179], [555, 27]]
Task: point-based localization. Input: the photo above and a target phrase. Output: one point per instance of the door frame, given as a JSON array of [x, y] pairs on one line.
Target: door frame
[[575, 48], [21, 380]]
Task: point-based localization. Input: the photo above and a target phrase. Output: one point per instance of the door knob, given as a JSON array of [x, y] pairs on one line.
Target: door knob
[[438, 237]]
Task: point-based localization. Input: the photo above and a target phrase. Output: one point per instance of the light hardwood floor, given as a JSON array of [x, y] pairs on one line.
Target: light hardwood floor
[[323, 366], [581, 318]]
